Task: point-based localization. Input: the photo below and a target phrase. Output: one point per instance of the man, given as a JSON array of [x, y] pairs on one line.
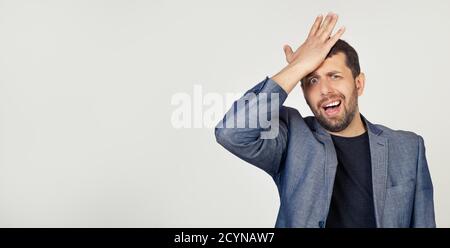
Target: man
[[335, 169]]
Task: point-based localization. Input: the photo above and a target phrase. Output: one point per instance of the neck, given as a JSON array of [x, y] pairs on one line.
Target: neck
[[355, 128]]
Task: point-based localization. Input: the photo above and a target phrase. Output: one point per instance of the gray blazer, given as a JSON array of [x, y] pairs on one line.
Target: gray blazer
[[302, 161]]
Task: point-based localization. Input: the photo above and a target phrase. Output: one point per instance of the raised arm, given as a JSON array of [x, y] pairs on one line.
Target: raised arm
[[244, 131]]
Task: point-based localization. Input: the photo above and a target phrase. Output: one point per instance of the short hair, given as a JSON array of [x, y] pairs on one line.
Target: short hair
[[351, 56]]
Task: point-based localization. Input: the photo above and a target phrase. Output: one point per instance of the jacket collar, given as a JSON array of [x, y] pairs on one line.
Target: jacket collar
[[371, 128]]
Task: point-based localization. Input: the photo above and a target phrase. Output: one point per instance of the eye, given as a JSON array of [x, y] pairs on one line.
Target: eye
[[335, 77], [313, 80]]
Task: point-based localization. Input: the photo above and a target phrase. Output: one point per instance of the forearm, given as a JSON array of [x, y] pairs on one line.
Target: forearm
[[289, 77]]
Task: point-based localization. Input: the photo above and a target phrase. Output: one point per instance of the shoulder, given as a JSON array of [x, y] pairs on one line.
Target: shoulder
[[397, 133], [290, 114], [407, 140], [295, 119]]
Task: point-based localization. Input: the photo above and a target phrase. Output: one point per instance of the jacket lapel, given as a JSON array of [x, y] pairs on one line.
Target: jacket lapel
[[330, 160], [379, 158]]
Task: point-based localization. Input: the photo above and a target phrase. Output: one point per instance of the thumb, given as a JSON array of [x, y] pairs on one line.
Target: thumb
[[288, 52]]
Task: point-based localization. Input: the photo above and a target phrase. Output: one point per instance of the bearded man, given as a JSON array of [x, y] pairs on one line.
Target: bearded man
[[333, 169]]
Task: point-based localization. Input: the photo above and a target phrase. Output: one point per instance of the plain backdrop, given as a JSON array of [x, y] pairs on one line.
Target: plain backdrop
[[86, 87]]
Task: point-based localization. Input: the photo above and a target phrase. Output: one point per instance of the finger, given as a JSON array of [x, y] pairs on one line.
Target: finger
[[329, 29], [315, 26], [288, 52], [324, 24], [335, 37]]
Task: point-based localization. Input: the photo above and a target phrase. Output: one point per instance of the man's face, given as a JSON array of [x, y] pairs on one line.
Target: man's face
[[332, 93]]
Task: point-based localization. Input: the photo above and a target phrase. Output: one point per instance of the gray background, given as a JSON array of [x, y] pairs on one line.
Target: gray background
[[86, 87]]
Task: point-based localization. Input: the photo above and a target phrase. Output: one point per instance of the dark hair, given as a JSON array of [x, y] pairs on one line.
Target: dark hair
[[351, 56]]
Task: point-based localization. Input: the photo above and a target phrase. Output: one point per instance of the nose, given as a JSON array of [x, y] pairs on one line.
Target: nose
[[325, 87]]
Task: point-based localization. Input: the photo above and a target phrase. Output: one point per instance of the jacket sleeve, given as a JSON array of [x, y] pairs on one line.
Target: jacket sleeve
[[423, 213], [244, 133]]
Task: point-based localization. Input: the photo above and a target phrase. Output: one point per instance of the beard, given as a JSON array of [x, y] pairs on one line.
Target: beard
[[339, 123]]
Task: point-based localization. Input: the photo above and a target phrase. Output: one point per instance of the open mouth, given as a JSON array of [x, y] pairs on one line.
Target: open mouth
[[332, 108]]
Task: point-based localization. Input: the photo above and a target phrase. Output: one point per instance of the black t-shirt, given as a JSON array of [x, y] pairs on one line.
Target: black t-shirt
[[352, 200]]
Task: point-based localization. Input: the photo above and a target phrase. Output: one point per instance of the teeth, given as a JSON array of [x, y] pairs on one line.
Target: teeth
[[332, 104]]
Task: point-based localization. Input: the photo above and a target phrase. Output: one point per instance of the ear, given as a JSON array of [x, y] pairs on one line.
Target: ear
[[360, 82]]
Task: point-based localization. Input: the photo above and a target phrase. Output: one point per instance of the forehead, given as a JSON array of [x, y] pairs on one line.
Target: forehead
[[333, 63]]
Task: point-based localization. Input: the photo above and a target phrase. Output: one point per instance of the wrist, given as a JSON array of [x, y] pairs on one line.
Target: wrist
[[289, 76], [299, 70]]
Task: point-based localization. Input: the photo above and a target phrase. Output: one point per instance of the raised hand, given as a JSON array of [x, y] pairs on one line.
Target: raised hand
[[311, 53]]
